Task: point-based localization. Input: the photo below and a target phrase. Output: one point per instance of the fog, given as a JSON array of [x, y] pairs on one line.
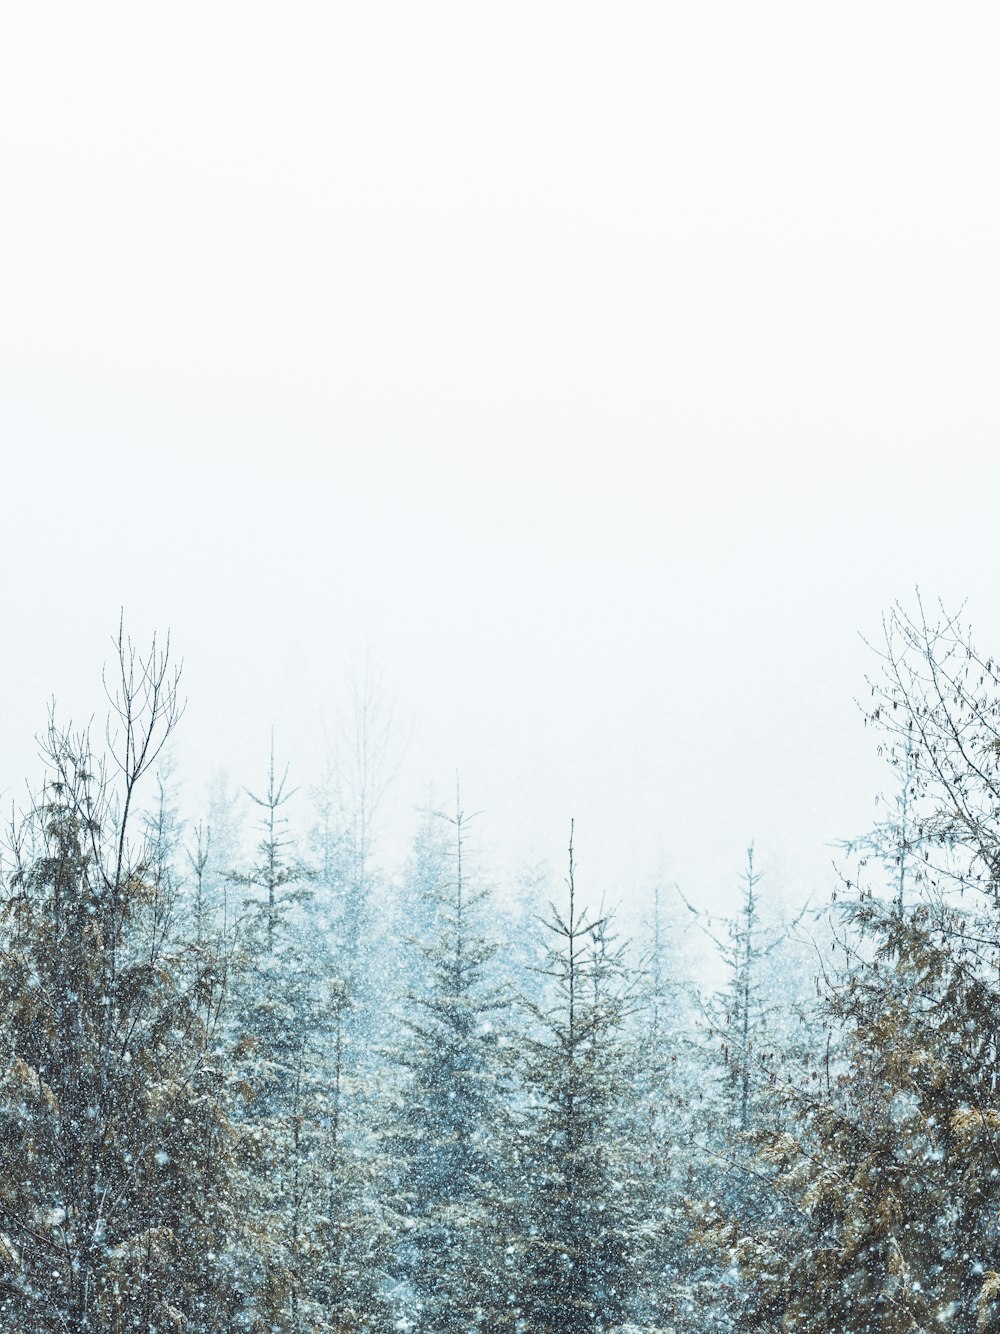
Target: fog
[[596, 373]]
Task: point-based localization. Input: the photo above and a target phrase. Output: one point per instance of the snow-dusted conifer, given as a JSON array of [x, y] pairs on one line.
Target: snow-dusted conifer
[[115, 1144], [577, 1232], [443, 1137], [888, 1155]]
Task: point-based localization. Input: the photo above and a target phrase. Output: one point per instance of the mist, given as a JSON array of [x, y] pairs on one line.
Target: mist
[[597, 373]]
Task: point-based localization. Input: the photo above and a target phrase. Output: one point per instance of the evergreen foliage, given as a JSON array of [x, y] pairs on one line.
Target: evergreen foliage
[[203, 1128], [579, 1233], [443, 1134], [117, 1194], [886, 1159]]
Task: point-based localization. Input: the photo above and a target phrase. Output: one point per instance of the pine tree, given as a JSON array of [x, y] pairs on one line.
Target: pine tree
[[361, 777], [579, 1233], [742, 1013], [281, 1021], [116, 1200], [283, 880], [444, 1131], [314, 1216], [888, 1159], [211, 851], [667, 1123], [430, 866], [351, 1238]]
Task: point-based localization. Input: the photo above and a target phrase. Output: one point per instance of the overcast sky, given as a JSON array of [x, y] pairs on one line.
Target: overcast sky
[[600, 369]]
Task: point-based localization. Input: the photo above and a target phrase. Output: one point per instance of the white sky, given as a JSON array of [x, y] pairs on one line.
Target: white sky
[[602, 368]]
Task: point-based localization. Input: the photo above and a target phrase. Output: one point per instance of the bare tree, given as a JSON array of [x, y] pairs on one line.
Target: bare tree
[[935, 704]]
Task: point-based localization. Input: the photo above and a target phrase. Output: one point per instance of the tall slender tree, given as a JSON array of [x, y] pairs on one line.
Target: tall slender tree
[[578, 1233], [444, 1134], [284, 879], [114, 1121]]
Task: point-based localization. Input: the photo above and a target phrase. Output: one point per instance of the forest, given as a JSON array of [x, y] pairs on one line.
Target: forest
[[254, 1078]]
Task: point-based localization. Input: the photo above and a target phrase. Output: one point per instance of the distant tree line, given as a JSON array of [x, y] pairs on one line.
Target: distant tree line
[[280, 1089]]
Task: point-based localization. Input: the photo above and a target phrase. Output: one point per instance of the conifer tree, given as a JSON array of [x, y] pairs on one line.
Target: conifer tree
[[281, 1015], [361, 778], [667, 1125], [282, 879], [351, 1239], [116, 1181], [742, 1013], [445, 1127], [430, 866], [211, 850], [888, 1164], [745, 1007], [315, 1219], [578, 1235], [754, 1023], [888, 1159]]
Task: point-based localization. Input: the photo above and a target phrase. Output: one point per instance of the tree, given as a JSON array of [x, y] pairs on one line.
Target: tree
[[364, 775], [444, 1133], [890, 1164], [416, 902], [889, 1159], [747, 1006], [667, 1112], [755, 1029], [579, 1236], [936, 707], [115, 1140], [351, 1239], [211, 854], [283, 881], [282, 1017]]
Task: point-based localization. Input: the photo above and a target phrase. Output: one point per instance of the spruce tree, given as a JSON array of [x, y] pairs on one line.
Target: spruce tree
[[351, 1239], [887, 1163], [578, 1230], [668, 1108], [314, 1217], [117, 1202], [444, 1131], [280, 1017], [888, 1160]]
